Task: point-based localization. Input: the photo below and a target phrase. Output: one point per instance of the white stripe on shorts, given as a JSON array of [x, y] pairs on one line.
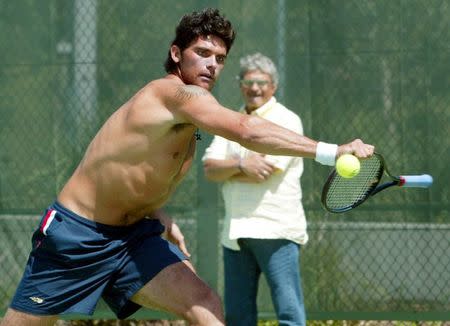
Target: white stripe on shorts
[[48, 222]]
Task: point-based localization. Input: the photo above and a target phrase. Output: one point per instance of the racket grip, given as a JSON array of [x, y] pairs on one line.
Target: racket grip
[[420, 181]]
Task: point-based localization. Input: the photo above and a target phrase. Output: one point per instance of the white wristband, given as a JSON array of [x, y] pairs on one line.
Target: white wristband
[[326, 153]]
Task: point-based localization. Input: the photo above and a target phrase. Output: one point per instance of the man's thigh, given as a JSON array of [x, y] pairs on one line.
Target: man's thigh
[[277, 257], [279, 260], [176, 289], [14, 318]]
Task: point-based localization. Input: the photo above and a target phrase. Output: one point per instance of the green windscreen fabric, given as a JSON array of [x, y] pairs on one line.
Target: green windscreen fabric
[[375, 70]]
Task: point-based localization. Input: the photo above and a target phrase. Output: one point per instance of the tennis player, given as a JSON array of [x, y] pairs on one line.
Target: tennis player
[[101, 238]]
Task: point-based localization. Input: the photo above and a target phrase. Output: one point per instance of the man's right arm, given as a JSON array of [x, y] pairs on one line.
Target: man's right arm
[[253, 169], [221, 170], [197, 106]]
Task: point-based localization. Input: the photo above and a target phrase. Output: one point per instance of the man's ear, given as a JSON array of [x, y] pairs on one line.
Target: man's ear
[[175, 53], [274, 88]]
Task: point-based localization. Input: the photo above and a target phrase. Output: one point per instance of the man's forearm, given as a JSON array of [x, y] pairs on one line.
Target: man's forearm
[[263, 136], [221, 170]]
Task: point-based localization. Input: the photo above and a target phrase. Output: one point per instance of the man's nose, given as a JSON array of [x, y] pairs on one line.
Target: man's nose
[[212, 63], [254, 86]]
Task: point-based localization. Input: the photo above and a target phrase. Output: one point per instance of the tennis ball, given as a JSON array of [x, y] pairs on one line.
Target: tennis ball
[[347, 166]]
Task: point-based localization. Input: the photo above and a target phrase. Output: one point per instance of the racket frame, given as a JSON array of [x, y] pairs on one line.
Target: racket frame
[[372, 190]]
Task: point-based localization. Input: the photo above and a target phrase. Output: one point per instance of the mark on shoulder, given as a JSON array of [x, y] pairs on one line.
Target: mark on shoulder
[[187, 92]]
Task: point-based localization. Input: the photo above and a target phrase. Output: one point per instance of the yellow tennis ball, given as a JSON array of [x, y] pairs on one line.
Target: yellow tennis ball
[[347, 166]]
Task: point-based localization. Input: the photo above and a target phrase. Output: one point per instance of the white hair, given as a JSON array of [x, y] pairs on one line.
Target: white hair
[[260, 62]]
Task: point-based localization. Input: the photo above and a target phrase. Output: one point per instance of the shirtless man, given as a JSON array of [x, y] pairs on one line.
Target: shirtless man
[[102, 237]]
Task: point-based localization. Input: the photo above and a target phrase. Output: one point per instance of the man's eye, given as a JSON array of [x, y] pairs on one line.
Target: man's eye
[[220, 59]]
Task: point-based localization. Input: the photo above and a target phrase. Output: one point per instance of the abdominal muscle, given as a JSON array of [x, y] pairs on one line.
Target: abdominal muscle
[[122, 182]]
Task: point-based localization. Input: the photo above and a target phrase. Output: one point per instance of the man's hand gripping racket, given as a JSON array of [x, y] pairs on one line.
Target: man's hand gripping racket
[[343, 194]]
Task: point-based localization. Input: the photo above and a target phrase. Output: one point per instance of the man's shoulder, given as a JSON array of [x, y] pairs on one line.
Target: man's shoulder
[[151, 104], [161, 85], [174, 89], [158, 91]]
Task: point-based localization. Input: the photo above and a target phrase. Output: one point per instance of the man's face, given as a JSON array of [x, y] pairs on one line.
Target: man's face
[[202, 61], [257, 88]]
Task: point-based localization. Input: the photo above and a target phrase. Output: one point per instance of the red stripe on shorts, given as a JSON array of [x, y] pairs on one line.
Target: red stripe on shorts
[[47, 220]]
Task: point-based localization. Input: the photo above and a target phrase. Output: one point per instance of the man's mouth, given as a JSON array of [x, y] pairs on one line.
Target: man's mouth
[[254, 96], [207, 77]]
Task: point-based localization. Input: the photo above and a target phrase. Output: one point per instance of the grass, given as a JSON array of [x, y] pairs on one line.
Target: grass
[[260, 323]]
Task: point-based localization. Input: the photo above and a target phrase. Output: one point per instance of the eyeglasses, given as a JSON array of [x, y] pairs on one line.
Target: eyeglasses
[[250, 82]]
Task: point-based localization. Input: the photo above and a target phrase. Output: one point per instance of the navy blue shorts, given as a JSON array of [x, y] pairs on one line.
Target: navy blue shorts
[[74, 262]]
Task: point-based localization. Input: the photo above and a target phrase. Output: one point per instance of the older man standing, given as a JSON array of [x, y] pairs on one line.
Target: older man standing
[[264, 219]]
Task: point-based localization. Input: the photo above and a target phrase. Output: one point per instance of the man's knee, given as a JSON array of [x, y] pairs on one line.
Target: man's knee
[[206, 308], [212, 300]]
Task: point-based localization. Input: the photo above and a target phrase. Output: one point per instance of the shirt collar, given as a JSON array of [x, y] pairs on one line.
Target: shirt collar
[[264, 109]]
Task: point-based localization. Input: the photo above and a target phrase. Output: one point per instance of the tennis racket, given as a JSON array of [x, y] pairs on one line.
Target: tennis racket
[[341, 194]]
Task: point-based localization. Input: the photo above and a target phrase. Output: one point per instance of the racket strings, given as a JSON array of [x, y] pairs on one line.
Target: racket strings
[[345, 193]]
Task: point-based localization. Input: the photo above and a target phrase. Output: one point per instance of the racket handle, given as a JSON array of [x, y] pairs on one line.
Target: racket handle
[[421, 181]]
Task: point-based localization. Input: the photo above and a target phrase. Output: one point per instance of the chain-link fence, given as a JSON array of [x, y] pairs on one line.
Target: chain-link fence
[[378, 70]]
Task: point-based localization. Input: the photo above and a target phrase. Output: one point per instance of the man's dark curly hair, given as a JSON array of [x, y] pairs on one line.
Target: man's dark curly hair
[[203, 23]]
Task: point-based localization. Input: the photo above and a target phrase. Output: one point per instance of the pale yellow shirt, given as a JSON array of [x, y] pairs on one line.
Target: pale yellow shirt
[[271, 209]]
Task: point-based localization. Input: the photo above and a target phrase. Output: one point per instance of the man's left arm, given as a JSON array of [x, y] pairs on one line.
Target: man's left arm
[[172, 232]]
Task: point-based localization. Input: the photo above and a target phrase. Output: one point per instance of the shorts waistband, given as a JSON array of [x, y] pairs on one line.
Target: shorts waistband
[[96, 225]]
